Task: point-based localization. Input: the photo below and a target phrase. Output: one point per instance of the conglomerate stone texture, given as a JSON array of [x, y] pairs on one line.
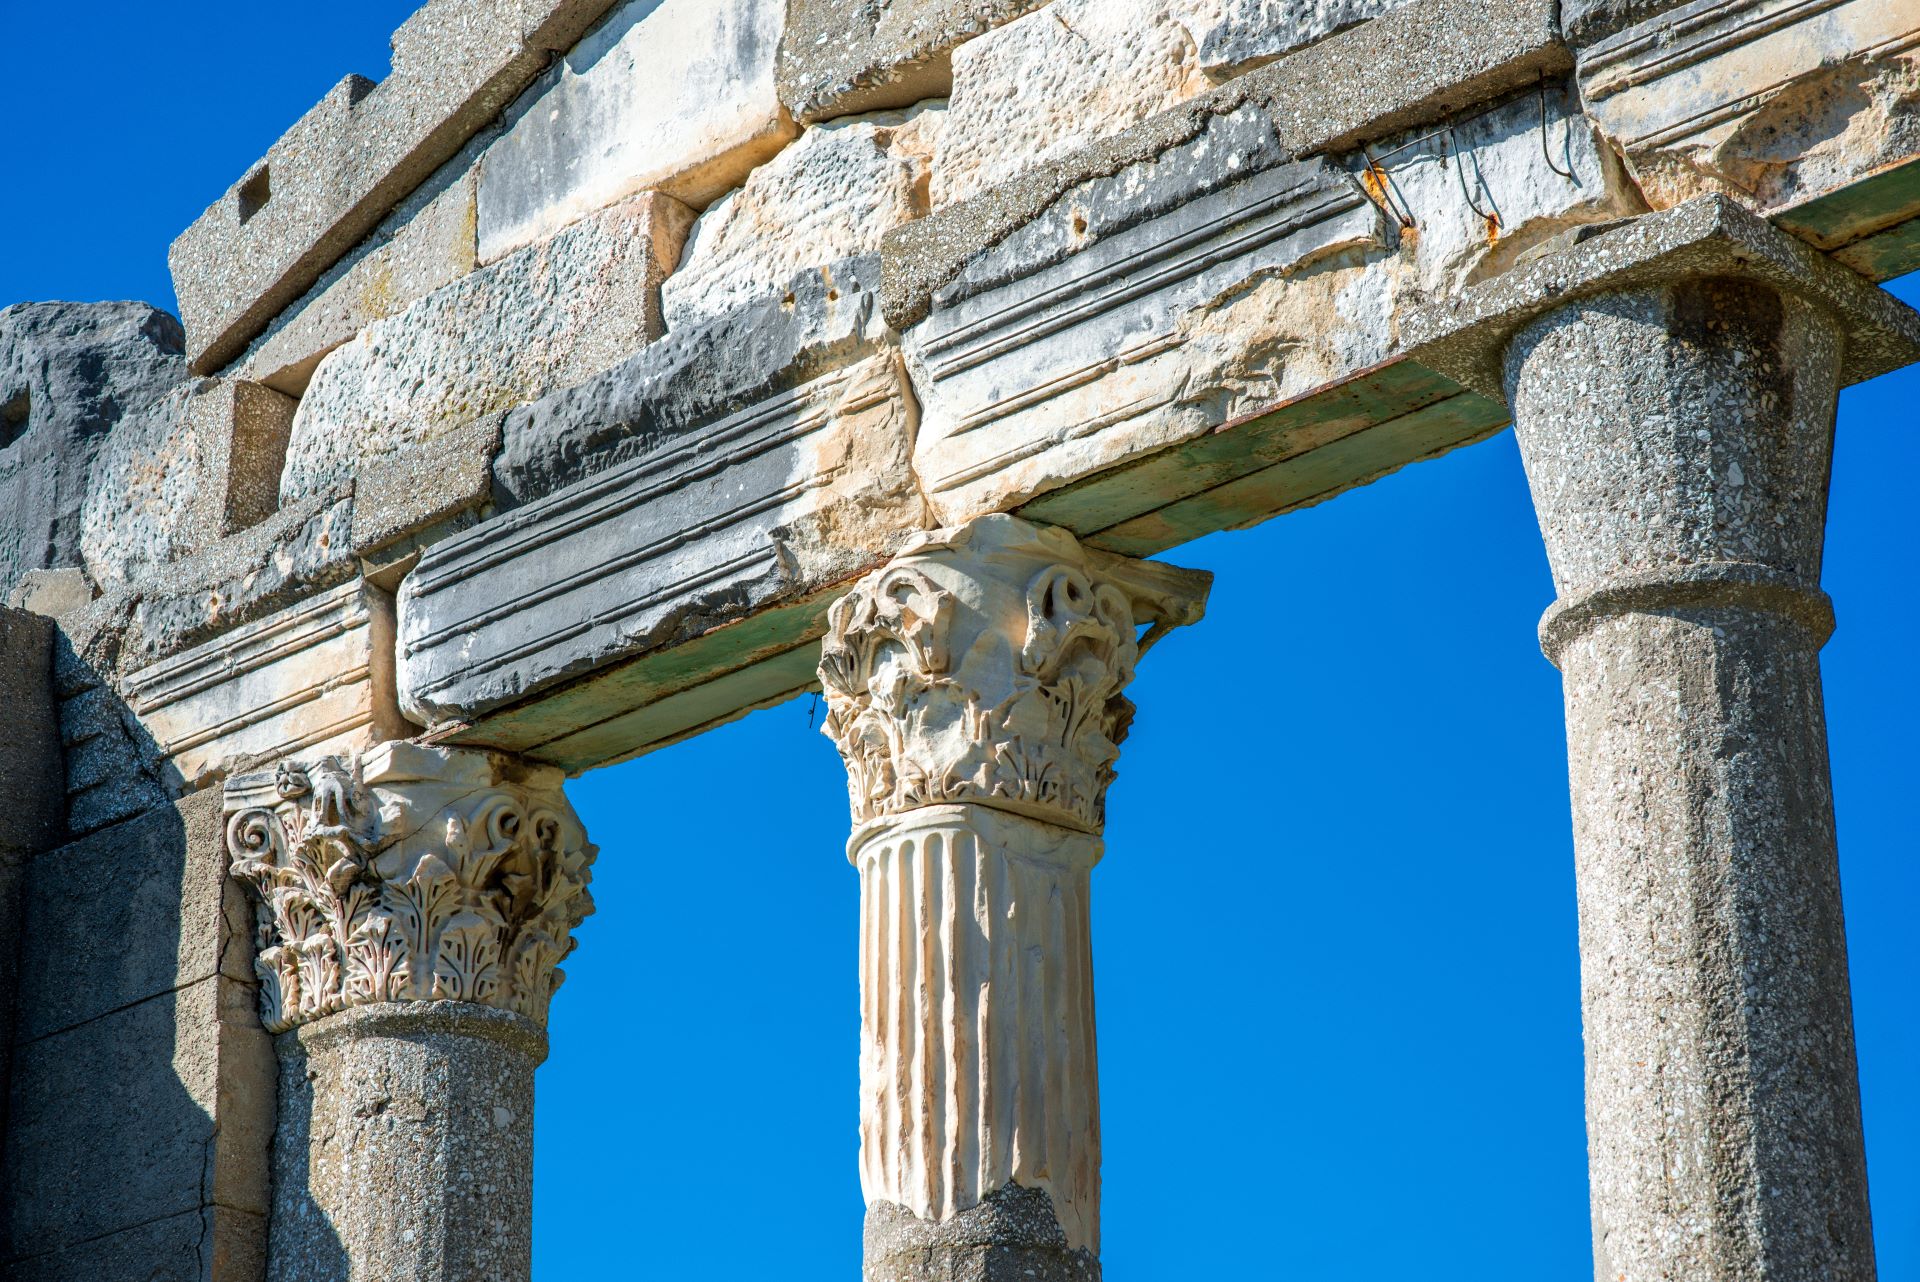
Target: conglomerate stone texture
[[405, 1145], [1677, 443], [1011, 1236]]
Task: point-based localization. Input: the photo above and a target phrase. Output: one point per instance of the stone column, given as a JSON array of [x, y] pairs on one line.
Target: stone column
[[414, 905], [974, 689], [1676, 439]]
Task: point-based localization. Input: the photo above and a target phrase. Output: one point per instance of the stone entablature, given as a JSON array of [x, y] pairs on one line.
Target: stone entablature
[[408, 873]]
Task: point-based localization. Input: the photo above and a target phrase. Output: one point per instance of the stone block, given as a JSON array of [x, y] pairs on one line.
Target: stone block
[[837, 59], [303, 548], [426, 243], [312, 677], [344, 165], [1231, 36], [200, 464], [431, 487], [30, 790], [54, 593], [69, 374], [1414, 65], [544, 317], [676, 97], [1044, 85], [1125, 320], [1770, 102], [187, 1121], [127, 913], [217, 1244], [831, 195], [703, 491]]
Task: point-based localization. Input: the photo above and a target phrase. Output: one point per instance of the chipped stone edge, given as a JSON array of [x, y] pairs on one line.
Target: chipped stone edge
[[1465, 337]]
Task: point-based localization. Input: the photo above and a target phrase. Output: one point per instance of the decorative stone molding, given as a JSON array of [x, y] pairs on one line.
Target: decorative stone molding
[[409, 873], [315, 678], [986, 664]]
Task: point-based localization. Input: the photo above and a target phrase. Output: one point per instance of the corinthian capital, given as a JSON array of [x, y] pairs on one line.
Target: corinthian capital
[[987, 663], [409, 873]]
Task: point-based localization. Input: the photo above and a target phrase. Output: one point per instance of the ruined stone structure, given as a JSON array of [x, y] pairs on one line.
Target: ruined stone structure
[[612, 369]]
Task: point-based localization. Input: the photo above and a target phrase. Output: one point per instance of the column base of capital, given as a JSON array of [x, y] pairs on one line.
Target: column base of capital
[[1012, 1236]]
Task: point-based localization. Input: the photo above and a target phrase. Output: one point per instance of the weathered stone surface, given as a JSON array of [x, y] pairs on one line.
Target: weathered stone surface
[[314, 677], [1231, 36], [1042, 86], [30, 749], [1677, 444], [1766, 101], [545, 317], [405, 1145], [53, 593], [424, 244], [129, 912], [1418, 63], [975, 689], [344, 165], [191, 1076], [710, 488], [1046, 360], [69, 372], [831, 195], [305, 547], [837, 59], [1465, 336], [1011, 1236], [675, 97], [112, 771], [202, 463], [31, 789], [218, 1244]]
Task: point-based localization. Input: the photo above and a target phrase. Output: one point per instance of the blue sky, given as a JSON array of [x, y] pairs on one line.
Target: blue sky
[[1334, 930]]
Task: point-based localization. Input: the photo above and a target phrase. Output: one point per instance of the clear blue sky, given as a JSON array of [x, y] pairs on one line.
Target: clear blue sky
[[1339, 1012]]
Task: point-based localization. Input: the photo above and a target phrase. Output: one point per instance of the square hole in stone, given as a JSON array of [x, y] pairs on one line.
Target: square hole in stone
[[254, 193]]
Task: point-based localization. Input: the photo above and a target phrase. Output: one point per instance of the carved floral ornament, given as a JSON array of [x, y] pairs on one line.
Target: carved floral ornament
[[987, 664], [408, 873]]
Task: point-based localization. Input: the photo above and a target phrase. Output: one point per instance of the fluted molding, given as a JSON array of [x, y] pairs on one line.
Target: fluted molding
[[986, 664], [408, 873], [978, 1065]]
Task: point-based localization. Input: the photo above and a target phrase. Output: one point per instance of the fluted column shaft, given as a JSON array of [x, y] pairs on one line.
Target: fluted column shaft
[[414, 904], [1677, 442], [974, 691]]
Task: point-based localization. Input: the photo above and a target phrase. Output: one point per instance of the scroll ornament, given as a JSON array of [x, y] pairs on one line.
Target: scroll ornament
[[382, 881], [1007, 692]]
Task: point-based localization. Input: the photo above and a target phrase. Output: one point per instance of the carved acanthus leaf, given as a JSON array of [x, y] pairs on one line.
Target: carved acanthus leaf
[[988, 667], [408, 874]]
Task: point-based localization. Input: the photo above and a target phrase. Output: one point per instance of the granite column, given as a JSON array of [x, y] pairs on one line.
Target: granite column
[[414, 904], [1676, 439], [974, 689]]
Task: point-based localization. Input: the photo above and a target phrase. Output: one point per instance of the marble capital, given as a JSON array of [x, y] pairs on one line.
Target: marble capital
[[987, 664], [408, 873]]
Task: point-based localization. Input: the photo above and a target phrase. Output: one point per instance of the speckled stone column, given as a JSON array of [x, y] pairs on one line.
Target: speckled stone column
[[974, 689], [414, 903], [405, 1145], [1677, 443]]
